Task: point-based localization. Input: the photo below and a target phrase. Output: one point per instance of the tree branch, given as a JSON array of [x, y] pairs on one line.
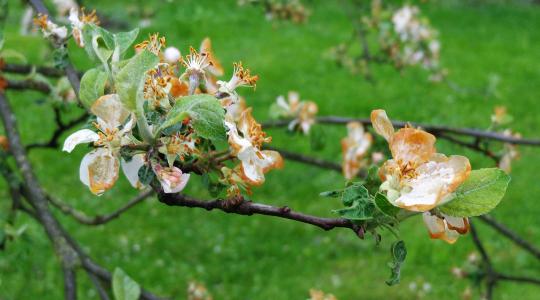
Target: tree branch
[[27, 69], [99, 219], [307, 159], [60, 129], [69, 252], [434, 129], [28, 84], [490, 221], [248, 208]]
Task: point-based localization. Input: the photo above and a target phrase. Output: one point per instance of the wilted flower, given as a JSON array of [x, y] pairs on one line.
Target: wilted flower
[[241, 77], [377, 157], [444, 227], [50, 29], [4, 143], [177, 146], [417, 178], [354, 148], [99, 168], [77, 24], [246, 139], [302, 112], [171, 178], [197, 291], [320, 295], [500, 116], [510, 153]]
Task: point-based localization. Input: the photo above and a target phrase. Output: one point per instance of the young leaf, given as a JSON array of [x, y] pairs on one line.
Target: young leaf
[[479, 194], [385, 206], [353, 193], [205, 113], [123, 40], [399, 253], [332, 194], [92, 86], [373, 182], [124, 288], [129, 81], [104, 41], [146, 174], [361, 210]]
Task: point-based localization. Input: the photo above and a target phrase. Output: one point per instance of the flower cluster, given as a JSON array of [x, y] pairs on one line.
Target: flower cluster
[[302, 113], [404, 39], [165, 116], [292, 10], [419, 179], [320, 295]]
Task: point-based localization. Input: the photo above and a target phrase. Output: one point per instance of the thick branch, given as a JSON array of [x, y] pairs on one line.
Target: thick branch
[[511, 235], [70, 282], [247, 208], [99, 219], [28, 84], [434, 129], [27, 69]]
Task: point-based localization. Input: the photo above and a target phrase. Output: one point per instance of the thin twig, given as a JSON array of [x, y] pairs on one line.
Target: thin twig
[[307, 159], [491, 275], [521, 279], [489, 220], [99, 219], [60, 129], [434, 129]]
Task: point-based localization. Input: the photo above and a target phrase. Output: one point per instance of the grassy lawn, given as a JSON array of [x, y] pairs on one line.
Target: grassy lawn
[[259, 257]]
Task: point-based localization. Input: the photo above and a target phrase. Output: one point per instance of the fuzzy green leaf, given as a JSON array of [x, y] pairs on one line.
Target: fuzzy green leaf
[[358, 202], [399, 253], [123, 40], [124, 288], [479, 194], [130, 80], [385, 206], [92, 86], [353, 193], [205, 112]]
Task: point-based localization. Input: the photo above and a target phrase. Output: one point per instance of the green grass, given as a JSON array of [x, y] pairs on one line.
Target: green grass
[[261, 257]]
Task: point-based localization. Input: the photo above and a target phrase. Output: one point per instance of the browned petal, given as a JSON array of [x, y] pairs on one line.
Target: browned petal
[[409, 145], [215, 66], [178, 88]]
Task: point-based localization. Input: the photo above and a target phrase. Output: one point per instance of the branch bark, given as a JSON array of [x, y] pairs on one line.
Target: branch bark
[[434, 129], [248, 208], [99, 219]]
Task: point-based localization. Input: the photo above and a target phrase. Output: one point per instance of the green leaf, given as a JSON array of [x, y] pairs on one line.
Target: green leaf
[[360, 210], [479, 194], [358, 202], [92, 86], [146, 174], [332, 194], [123, 40], [124, 288], [385, 206], [98, 42], [205, 112], [353, 193], [398, 252], [373, 182], [130, 80]]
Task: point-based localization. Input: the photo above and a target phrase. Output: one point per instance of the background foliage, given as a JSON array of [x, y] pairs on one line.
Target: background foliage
[[492, 52]]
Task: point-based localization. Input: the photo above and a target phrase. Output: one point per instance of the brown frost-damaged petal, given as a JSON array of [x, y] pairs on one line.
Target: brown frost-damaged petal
[[99, 170], [409, 145], [446, 228], [110, 109], [382, 124]]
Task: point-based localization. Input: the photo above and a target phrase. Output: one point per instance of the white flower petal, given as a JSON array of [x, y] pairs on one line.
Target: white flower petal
[[79, 137], [131, 170]]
